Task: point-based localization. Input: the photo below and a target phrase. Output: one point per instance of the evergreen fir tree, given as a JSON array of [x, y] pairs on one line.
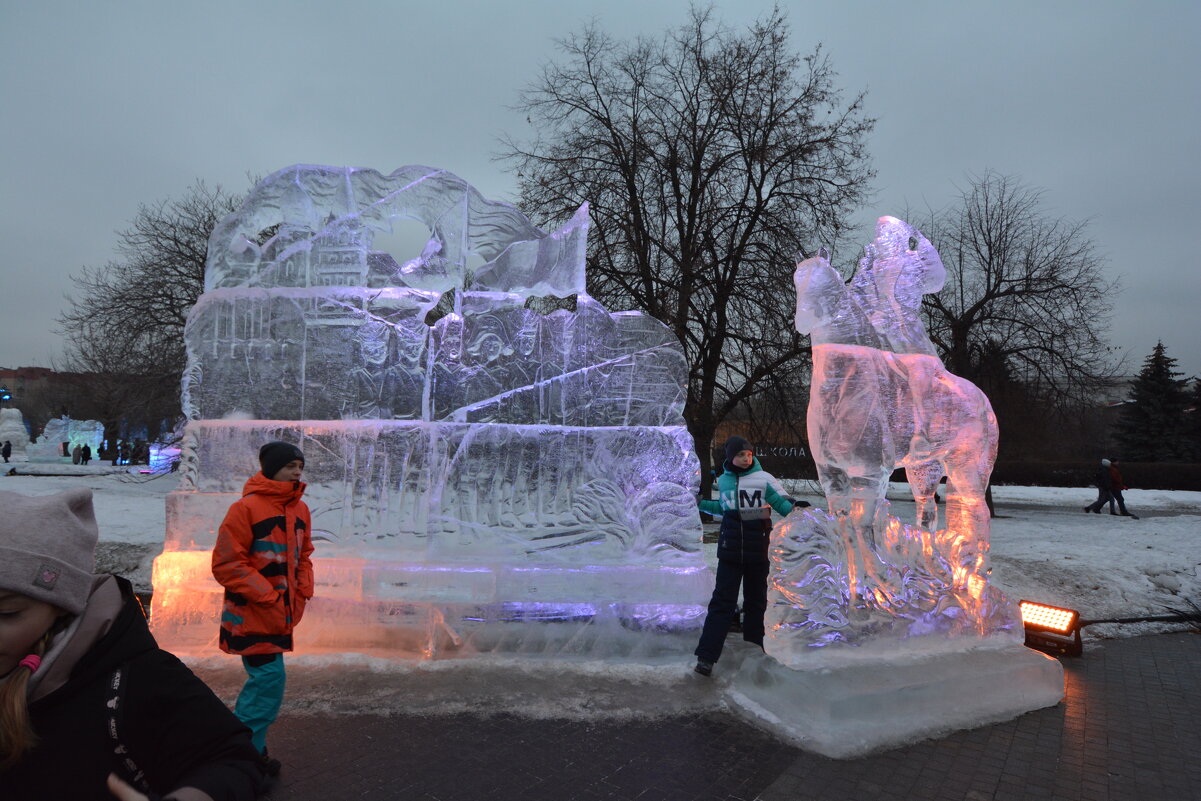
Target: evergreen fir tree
[[1152, 428]]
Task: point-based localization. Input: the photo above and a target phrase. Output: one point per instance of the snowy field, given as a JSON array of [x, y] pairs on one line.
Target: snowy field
[[1044, 547]]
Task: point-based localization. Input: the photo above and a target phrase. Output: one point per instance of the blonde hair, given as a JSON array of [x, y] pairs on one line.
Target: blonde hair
[[16, 734]]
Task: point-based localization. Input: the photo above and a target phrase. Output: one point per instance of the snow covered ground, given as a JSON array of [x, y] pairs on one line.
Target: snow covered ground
[[1044, 547]]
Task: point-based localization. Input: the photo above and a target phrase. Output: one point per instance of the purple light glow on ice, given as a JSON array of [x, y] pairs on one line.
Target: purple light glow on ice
[[880, 399]]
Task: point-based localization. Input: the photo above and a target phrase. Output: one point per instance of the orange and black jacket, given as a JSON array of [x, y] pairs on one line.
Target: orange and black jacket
[[262, 558]]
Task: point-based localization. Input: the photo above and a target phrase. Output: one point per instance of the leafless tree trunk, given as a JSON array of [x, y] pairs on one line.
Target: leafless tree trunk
[[709, 158]]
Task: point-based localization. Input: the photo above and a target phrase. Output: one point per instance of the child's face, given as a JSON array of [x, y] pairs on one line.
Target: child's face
[[290, 472], [23, 621], [744, 459]]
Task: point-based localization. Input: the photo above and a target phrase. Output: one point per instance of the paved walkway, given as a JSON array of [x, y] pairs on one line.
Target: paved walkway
[[1129, 728]]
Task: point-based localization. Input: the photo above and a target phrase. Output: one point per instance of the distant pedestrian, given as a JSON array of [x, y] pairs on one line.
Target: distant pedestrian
[[85, 454], [1116, 485], [262, 558], [1104, 484], [76, 454], [6, 450], [748, 494]]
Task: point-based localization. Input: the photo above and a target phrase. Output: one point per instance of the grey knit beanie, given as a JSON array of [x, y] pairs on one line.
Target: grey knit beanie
[[48, 546]]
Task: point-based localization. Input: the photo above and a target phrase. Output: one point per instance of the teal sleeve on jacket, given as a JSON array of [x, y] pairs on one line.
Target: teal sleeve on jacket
[[777, 501], [711, 507]]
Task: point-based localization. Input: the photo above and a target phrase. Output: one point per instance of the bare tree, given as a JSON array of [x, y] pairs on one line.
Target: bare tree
[[709, 157], [124, 322], [1025, 299]]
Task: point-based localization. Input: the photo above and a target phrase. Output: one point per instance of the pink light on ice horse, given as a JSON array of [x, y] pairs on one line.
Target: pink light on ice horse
[[880, 399]]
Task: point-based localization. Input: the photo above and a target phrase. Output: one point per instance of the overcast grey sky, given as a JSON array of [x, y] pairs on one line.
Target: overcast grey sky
[[108, 105]]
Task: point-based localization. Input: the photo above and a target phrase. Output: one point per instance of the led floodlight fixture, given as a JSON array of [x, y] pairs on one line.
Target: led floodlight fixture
[[1051, 629]]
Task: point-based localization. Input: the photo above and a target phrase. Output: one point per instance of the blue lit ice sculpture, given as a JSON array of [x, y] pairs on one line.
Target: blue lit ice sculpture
[[855, 580], [497, 467]]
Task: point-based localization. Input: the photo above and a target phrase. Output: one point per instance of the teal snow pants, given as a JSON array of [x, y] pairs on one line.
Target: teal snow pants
[[259, 702]]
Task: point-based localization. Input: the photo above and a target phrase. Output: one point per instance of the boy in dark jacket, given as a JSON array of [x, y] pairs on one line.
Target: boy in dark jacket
[[90, 707], [748, 494], [262, 558]]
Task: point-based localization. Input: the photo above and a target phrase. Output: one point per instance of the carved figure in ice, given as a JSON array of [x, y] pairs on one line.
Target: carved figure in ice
[[309, 225], [898, 267], [881, 399]]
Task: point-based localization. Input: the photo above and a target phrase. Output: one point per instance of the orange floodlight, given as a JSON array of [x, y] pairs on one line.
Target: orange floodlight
[[1051, 629]]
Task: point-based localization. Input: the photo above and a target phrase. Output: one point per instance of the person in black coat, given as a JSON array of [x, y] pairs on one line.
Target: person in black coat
[[1104, 484], [90, 706]]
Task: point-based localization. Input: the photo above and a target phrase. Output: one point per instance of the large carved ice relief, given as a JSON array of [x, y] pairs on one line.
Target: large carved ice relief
[[493, 435], [854, 578]]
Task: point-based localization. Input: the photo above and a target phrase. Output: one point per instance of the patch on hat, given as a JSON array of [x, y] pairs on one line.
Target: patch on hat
[[46, 578]]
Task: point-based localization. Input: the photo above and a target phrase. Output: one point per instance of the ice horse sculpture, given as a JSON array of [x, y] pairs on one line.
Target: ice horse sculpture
[[472, 481], [880, 398], [880, 633]]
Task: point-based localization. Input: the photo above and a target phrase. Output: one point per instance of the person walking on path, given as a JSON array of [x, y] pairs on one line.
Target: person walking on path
[[262, 559], [1104, 485], [90, 707], [747, 495], [85, 454], [1116, 485], [6, 450]]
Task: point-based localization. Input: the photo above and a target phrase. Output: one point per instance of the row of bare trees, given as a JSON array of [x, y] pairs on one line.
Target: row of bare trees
[[710, 158]]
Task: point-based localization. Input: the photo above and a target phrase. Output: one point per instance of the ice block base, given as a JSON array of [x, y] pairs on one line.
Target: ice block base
[[855, 710], [452, 610]]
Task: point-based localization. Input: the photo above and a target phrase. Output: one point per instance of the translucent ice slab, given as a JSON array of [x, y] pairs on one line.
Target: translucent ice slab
[[471, 477]]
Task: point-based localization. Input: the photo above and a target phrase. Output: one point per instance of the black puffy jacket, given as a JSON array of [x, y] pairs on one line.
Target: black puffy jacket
[[176, 731]]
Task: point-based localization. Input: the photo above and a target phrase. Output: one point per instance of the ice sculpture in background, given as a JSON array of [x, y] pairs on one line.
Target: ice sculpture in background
[[467, 474], [59, 430], [880, 398], [12, 429]]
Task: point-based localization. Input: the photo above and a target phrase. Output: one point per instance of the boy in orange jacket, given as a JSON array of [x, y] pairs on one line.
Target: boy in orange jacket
[[262, 558]]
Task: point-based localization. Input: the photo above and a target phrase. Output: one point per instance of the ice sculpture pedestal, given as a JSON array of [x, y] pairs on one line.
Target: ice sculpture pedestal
[[852, 710], [448, 610]]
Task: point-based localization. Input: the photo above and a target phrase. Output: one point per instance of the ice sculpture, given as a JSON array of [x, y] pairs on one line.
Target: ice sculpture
[[466, 478], [49, 446], [880, 633], [12, 429], [880, 399]]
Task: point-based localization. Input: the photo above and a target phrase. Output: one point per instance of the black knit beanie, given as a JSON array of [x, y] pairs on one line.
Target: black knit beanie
[[274, 455], [735, 446]]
